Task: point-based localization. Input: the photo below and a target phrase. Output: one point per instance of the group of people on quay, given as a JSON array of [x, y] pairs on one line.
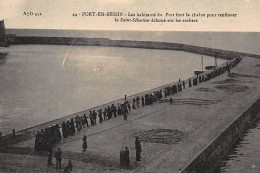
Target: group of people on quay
[[125, 154], [52, 135], [58, 157]]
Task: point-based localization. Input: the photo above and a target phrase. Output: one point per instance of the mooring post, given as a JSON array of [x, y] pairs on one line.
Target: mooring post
[[13, 133]]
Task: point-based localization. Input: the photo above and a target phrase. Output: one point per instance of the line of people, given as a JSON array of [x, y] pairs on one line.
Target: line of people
[[53, 135]]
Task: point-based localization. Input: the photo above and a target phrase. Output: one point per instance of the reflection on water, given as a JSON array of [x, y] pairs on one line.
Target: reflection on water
[[245, 155], [39, 83]]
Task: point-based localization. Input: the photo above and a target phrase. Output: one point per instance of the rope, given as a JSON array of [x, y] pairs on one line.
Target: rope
[[20, 166], [67, 53]]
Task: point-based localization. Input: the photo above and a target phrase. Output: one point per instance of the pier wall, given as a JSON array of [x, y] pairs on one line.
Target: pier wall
[[212, 155], [224, 54]]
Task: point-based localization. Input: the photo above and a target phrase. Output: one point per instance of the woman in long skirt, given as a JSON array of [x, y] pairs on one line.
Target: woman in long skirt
[[85, 145]]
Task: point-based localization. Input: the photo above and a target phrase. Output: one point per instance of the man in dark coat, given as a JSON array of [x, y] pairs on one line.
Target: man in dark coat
[[124, 110], [58, 158], [68, 168], [91, 118], [100, 116], [85, 145], [109, 114], [138, 102], [138, 149], [64, 130], [119, 109], [143, 101], [72, 126], [133, 105], [171, 100], [105, 114], [127, 104], [94, 117], [49, 154], [85, 119], [127, 158], [114, 110], [37, 141]]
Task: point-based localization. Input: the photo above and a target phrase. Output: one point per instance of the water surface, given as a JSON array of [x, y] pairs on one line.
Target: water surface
[[40, 83], [245, 155]]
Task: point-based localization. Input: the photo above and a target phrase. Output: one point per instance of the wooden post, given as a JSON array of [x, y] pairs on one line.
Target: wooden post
[[125, 97], [0, 136]]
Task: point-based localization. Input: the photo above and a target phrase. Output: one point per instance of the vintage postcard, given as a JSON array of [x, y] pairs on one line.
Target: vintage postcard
[[129, 86]]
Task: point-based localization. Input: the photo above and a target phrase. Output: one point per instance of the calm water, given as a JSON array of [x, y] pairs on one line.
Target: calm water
[[245, 155], [40, 83]]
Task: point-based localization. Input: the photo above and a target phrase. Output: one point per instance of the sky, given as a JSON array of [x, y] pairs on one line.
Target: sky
[[58, 14]]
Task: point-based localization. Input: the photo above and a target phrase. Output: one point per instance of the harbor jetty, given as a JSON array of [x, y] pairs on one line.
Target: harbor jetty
[[197, 129]]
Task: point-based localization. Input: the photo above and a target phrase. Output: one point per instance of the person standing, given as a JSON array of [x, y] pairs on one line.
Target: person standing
[[100, 116], [142, 101], [118, 110], [171, 100], [58, 158], [105, 114], [138, 102], [109, 114], [94, 117], [85, 119], [91, 117], [72, 126], [114, 110], [85, 144], [37, 141], [228, 68], [68, 168], [138, 149], [127, 158], [127, 104], [49, 155], [82, 122], [124, 108], [133, 105]]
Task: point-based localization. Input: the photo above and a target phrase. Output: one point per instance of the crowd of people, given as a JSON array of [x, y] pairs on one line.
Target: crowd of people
[[53, 134]]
